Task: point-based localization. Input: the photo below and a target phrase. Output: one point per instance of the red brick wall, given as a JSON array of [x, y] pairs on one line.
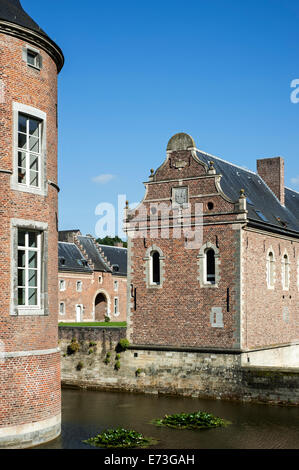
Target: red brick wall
[[90, 288], [179, 313], [37, 89], [263, 322]]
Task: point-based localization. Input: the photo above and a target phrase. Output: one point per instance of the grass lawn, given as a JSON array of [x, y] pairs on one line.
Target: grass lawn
[[109, 324]]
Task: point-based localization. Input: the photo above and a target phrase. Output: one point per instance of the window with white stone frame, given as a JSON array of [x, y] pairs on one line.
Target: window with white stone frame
[[285, 272], [32, 57], [62, 308], [154, 267], [209, 262], [79, 286], [29, 144], [116, 306], [62, 285], [115, 286], [29, 268], [270, 269]]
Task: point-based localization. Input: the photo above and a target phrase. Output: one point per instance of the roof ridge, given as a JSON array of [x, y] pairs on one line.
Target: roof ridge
[[116, 247], [290, 189], [226, 161]]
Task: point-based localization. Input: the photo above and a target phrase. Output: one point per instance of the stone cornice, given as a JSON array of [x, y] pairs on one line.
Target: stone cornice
[[35, 38]]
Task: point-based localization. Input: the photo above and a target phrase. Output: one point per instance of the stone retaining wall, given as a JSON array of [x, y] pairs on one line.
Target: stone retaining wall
[[207, 374]]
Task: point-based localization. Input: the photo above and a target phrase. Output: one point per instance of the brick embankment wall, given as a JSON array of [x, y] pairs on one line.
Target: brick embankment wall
[[189, 373]]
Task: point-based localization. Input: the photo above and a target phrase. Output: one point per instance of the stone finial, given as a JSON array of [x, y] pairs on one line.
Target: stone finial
[[151, 176], [211, 170], [242, 194], [127, 205], [179, 142]]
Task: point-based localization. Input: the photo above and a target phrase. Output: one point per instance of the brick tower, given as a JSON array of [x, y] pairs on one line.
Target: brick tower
[[30, 401]]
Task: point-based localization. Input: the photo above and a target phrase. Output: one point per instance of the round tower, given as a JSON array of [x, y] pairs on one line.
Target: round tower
[[30, 400]]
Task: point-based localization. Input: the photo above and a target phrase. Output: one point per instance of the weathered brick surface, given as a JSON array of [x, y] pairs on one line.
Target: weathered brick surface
[[263, 320], [29, 385]]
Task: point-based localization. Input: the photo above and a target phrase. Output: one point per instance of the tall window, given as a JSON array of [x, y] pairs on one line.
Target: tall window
[[62, 308], [116, 307], [285, 272], [62, 285], [29, 151], [270, 270], [29, 268], [210, 266], [79, 286], [155, 268], [116, 286]]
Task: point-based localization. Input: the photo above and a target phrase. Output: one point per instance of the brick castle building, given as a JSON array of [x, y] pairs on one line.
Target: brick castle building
[[92, 279], [237, 291], [30, 401]]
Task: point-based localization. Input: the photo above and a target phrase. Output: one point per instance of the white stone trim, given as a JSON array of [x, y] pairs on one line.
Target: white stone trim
[[283, 263], [14, 431], [35, 113], [268, 269], [41, 352], [148, 268], [202, 268]]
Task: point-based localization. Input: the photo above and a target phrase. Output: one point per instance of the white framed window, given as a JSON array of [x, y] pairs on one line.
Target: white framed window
[[208, 263], [79, 286], [154, 267], [62, 308], [62, 285], [32, 57], [29, 278], [285, 272], [270, 270], [29, 268], [100, 279], [29, 144], [116, 286], [29, 150], [116, 306]]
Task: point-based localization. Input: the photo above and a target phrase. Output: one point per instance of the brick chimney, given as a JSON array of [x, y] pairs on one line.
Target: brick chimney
[[272, 172]]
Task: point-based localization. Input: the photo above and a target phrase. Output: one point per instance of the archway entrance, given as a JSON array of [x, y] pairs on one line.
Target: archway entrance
[[101, 307]]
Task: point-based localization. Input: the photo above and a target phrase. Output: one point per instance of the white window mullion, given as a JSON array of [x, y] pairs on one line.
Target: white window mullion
[[26, 269], [38, 274]]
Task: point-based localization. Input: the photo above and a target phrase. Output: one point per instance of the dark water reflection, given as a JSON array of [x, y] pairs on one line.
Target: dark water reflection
[[86, 413]]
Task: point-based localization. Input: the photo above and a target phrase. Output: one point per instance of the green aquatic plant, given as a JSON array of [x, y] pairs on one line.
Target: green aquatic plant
[[197, 420], [120, 438]]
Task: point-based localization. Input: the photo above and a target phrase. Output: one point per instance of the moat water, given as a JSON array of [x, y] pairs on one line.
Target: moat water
[[87, 413]]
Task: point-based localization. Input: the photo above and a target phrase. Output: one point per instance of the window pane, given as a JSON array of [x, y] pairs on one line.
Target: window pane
[[21, 277], [22, 123], [32, 278], [21, 296], [210, 266], [22, 176], [34, 162], [32, 262], [32, 239], [32, 296], [22, 141], [21, 259], [21, 238], [33, 178], [22, 159], [34, 127], [33, 144], [156, 267], [31, 58]]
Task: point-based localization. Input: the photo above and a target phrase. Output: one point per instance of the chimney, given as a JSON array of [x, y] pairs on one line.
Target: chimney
[[68, 235], [272, 172]]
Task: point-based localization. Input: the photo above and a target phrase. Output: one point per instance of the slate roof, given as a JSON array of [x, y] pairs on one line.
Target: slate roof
[[93, 254], [117, 256], [259, 196], [12, 11], [72, 257]]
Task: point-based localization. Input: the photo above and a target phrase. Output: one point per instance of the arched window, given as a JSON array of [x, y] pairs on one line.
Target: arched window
[[155, 268], [210, 266], [285, 272], [270, 269]]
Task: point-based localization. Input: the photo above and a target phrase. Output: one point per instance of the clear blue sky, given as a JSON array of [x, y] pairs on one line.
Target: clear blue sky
[[138, 72]]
